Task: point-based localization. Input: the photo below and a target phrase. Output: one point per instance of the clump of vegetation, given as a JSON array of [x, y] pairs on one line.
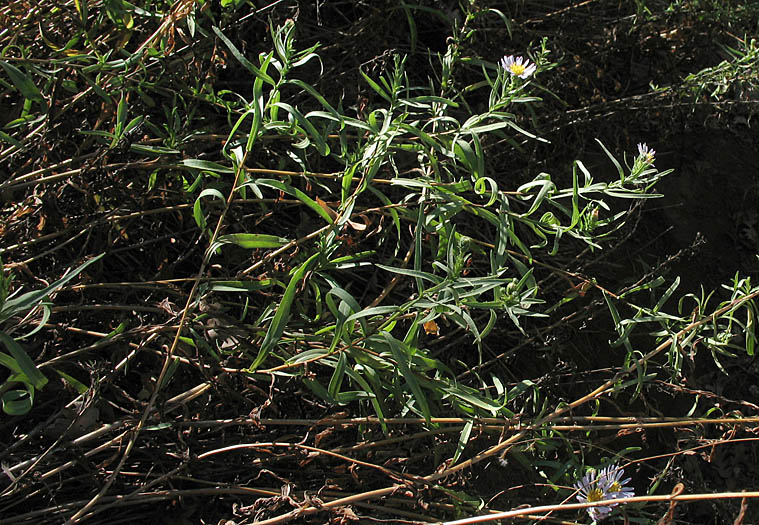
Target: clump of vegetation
[[356, 262]]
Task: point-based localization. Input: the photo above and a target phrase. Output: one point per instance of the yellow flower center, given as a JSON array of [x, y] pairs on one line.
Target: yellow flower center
[[517, 69], [595, 495], [615, 487]]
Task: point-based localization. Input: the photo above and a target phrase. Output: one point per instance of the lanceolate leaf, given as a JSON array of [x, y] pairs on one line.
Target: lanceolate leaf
[[250, 241], [240, 58], [18, 402], [298, 194], [22, 82], [24, 362], [31, 299], [402, 360], [277, 326]]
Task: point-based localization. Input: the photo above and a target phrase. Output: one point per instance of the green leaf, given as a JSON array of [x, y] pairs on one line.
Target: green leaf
[[472, 398], [623, 333], [318, 96], [242, 286], [306, 125], [250, 241], [368, 312], [318, 389], [613, 160], [197, 210], [364, 384], [10, 140], [10, 363], [402, 360], [22, 82], [24, 362], [32, 299], [17, 402], [411, 26], [298, 194], [121, 116], [667, 295], [278, 323], [337, 376], [241, 59], [80, 387], [206, 165], [463, 440], [376, 87], [412, 273]]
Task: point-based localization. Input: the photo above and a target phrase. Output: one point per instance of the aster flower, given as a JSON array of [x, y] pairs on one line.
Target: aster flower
[[518, 66], [611, 478], [604, 485], [593, 488], [646, 154]]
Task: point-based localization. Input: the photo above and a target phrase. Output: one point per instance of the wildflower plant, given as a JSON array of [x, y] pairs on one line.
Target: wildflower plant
[[514, 74], [385, 250]]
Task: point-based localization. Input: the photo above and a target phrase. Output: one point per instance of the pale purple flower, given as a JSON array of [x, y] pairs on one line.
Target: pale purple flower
[[518, 66], [604, 485], [592, 489], [611, 478], [646, 154]]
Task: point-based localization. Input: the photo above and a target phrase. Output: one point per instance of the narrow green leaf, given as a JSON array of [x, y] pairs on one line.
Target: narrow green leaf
[[10, 140], [206, 166], [121, 116], [318, 389], [80, 387], [336, 381], [27, 366], [10, 363], [613, 160], [623, 333], [402, 360], [364, 384], [463, 440], [376, 87], [242, 286], [321, 145], [197, 210], [667, 294], [252, 241], [411, 26], [412, 273], [17, 402], [32, 299], [22, 82], [298, 194], [240, 58], [368, 312], [278, 323]]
